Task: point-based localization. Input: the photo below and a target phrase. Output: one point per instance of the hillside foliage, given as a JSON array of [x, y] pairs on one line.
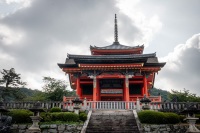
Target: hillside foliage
[[159, 92], [183, 96]]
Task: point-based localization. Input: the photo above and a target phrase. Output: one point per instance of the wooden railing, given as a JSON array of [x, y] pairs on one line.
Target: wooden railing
[[174, 106], [98, 105], [27, 105], [111, 105]]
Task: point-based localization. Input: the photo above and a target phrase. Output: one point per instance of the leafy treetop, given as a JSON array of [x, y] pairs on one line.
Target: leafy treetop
[[184, 96], [11, 79], [55, 89]]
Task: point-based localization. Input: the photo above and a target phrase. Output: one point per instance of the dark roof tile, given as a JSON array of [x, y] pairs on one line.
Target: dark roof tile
[[116, 46], [152, 55], [70, 61], [152, 60]]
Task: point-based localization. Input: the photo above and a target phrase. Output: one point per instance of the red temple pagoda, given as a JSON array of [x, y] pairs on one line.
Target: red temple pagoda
[[112, 73]]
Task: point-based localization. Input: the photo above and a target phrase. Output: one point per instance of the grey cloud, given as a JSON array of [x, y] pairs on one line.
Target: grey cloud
[[187, 75], [52, 28], [180, 20]]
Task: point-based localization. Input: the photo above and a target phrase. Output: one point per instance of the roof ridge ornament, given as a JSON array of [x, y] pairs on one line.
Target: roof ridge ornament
[[116, 31]]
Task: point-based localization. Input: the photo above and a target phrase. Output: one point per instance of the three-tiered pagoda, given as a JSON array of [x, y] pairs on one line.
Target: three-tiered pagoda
[[112, 73]]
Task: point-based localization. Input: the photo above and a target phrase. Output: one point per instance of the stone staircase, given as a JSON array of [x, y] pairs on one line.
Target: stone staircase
[[116, 121]]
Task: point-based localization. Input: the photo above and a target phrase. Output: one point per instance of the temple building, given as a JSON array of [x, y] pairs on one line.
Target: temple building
[[113, 73]]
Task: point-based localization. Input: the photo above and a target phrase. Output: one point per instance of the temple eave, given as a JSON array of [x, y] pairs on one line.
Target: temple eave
[[149, 69]]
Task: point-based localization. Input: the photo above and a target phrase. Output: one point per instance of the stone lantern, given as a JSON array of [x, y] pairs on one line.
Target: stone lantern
[[5, 121], [36, 109], [190, 111], [77, 105], [145, 103]]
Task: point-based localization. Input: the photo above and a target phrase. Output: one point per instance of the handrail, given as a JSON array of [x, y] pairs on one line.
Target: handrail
[[95, 105]]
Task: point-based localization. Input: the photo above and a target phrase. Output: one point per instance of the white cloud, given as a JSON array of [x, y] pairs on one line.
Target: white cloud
[[8, 7], [23, 3], [9, 36], [182, 68]]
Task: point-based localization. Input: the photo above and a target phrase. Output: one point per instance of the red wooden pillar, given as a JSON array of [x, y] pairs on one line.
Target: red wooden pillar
[[143, 89], [78, 89], [126, 88], [94, 89], [97, 90], [94, 92], [127, 97], [145, 85]]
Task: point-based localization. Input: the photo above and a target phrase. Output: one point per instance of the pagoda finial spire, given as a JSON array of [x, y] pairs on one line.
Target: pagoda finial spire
[[116, 30]]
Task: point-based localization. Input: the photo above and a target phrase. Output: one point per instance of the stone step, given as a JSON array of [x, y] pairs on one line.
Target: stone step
[[110, 121], [112, 131], [92, 129], [111, 126]]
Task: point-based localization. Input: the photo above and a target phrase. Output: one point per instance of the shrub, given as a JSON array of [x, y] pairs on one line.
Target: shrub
[[64, 116], [83, 116], [46, 117], [172, 118], [153, 117], [181, 118], [55, 109], [20, 116], [198, 116], [68, 116]]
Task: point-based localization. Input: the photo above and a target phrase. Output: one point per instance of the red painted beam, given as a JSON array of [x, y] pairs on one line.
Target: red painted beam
[[135, 82], [86, 82]]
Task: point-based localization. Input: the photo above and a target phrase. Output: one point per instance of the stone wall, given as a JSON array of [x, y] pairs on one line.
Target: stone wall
[[163, 128], [53, 128]]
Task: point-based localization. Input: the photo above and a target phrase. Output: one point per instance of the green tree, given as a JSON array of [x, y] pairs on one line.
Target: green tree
[[55, 89], [37, 96], [12, 82], [11, 79], [184, 96]]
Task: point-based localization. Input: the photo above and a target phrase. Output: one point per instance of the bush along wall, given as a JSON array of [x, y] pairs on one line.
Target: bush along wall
[[20, 116], [64, 116], [82, 116], [23, 116], [52, 121], [55, 109], [153, 117]]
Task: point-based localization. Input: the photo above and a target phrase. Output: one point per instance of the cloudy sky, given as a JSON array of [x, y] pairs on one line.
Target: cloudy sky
[[35, 35]]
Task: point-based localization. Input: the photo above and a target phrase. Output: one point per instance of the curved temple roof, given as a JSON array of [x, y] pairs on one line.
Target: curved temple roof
[[71, 56], [116, 46]]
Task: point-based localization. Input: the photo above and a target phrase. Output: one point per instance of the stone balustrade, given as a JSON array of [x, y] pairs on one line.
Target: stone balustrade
[[29, 104], [90, 105]]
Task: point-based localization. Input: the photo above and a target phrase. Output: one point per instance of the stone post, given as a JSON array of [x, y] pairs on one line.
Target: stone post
[[35, 118], [138, 104], [190, 110], [192, 128], [145, 103], [77, 103], [70, 105], [84, 104]]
